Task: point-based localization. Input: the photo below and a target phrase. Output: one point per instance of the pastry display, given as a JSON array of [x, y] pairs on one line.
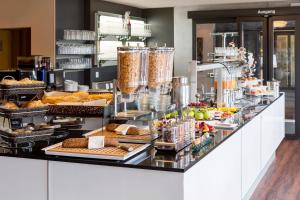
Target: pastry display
[[30, 104], [33, 104], [76, 98], [27, 130], [9, 105], [25, 81]]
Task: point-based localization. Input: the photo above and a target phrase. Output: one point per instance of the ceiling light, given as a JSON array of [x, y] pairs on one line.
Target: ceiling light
[[280, 24]]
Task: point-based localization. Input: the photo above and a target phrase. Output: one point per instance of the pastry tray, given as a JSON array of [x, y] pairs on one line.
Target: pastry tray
[[138, 139], [23, 112], [22, 86], [43, 134], [107, 153], [22, 89], [79, 110]]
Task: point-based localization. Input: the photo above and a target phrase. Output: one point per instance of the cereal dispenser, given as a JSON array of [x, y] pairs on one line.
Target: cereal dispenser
[[132, 74], [160, 67], [160, 77], [147, 74]]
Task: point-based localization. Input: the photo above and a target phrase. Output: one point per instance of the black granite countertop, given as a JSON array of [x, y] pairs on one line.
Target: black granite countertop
[[151, 158]]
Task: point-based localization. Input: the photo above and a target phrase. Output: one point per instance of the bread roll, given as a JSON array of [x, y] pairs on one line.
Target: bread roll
[[75, 143], [10, 105], [137, 131], [111, 127], [111, 142]]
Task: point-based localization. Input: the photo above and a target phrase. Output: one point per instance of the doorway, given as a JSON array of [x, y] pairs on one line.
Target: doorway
[[273, 37], [13, 43]]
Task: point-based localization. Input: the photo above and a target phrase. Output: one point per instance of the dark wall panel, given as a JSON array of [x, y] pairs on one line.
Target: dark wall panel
[[70, 14], [162, 20]]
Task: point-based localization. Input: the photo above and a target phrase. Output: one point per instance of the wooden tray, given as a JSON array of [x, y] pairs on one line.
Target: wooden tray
[[139, 139], [79, 111], [108, 153], [23, 112]]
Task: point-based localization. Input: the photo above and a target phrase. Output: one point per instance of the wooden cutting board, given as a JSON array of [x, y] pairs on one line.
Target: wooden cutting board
[[110, 153]]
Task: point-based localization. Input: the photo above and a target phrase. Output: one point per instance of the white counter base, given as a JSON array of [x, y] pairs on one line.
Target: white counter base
[[230, 172], [259, 178]]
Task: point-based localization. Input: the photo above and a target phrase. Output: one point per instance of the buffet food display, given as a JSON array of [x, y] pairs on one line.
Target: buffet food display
[[23, 82], [29, 133], [10, 109], [24, 86], [142, 73], [78, 103], [97, 147]]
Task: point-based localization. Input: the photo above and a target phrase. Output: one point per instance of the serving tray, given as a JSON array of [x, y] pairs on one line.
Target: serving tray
[[23, 112], [138, 139], [79, 110], [43, 134], [21, 89], [107, 153], [22, 86]]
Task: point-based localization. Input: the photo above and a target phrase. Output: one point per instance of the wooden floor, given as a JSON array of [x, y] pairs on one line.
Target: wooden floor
[[282, 180]]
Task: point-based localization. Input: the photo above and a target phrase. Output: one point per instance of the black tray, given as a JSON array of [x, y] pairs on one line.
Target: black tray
[[23, 112], [43, 134], [80, 111], [21, 89], [22, 86]]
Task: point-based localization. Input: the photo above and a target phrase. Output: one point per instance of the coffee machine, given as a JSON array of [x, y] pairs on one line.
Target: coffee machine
[[27, 66]]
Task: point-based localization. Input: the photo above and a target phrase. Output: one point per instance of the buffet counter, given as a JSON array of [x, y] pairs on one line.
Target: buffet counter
[[228, 168]]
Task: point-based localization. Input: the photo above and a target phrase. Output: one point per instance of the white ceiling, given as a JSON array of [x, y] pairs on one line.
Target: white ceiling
[[180, 3]]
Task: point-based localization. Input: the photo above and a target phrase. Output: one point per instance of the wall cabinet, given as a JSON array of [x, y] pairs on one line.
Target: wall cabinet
[[272, 129], [69, 181], [251, 148], [23, 179], [218, 175]]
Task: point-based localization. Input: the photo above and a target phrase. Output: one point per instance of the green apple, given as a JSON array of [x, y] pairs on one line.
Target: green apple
[[168, 116], [192, 113], [206, 115], [199, 116], [174, 114]]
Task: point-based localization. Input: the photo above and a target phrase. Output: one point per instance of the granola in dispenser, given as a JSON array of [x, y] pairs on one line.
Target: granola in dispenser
[[129, 62]]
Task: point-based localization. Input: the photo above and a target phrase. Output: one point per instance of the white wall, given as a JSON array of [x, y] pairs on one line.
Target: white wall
[[39, 15], [182, 40]]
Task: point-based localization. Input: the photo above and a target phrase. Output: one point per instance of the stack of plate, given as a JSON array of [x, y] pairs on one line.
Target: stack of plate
[[153, 101], [143, 102], [84, 88], [165, 102], [71, 86]]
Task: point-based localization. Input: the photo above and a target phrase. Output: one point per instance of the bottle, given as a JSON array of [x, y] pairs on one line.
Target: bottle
[[129, 27]]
